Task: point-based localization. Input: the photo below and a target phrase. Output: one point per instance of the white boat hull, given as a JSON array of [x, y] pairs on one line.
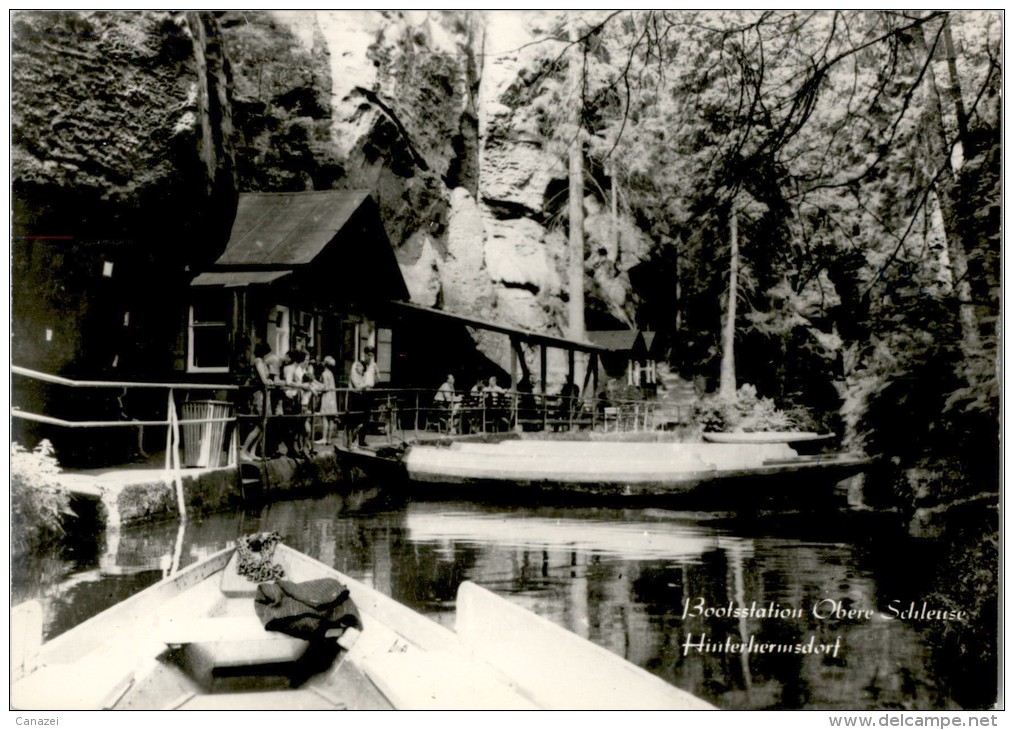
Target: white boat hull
[[500, 657]]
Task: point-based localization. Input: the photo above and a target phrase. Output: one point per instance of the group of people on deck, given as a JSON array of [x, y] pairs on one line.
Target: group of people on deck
[[484, 395], [302, 397], [486, 406], [296, 385]]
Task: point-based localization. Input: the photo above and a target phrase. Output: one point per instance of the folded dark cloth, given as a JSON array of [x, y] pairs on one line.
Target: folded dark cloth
[[305, 610]]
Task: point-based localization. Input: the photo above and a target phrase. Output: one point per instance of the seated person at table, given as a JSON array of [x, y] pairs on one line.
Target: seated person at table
[[495, 401], [569, 401], [447, 403]]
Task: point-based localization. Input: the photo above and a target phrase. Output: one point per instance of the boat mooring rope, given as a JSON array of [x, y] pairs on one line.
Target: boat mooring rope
[[254, 553]]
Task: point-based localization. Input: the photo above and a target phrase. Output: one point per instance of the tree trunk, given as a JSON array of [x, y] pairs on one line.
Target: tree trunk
[[939, 158], [575, 309], [955, 91], [727, 379], [614, 223]]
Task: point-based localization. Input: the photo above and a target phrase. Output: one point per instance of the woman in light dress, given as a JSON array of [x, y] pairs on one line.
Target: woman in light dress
[[328, 400]]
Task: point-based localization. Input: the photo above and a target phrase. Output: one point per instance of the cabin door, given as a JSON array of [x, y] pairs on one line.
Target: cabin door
[[278, 330]]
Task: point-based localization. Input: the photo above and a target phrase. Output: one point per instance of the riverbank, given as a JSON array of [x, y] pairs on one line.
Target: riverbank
[[145, 493]]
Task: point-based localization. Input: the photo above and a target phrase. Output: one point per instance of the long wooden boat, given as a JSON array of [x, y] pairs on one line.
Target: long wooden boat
[[764, 437], [194, 641], [707, 471]]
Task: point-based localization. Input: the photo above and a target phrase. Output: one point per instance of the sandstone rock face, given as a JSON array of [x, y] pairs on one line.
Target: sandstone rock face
[[517, 256], [435, 113], [465, 284], [418, 262], [282, 101], [120, 119], [453, 120], [400, 99], [123, 174]]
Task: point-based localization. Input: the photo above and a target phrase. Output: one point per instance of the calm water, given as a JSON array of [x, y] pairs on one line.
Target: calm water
[[654, 586]]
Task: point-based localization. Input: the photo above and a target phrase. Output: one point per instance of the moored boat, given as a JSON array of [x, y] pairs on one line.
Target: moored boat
[[664, 470], [764, 437], [196, 640]]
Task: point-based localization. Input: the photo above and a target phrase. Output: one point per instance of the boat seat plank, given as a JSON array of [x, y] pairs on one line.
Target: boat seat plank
[[232, 641], [234, 654], [216, 628], [300, 699], [440, 680]]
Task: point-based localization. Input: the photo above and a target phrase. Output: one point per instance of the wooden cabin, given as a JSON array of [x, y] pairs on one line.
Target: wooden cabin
[[307, 271], [629, 356], [315, 271]]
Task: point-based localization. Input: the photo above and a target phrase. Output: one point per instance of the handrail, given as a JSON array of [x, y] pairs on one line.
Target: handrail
[[38, 418], [511, 409], [60, 380], [46, 377]]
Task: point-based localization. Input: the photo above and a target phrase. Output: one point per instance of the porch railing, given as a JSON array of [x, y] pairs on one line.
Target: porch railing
[[396, 414]]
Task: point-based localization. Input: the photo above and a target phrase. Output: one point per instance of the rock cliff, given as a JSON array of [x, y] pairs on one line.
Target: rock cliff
[[433, 112], [123, 120], [120, 122]]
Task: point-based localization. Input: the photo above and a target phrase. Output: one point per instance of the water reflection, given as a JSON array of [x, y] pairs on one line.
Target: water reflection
[[649, 585]]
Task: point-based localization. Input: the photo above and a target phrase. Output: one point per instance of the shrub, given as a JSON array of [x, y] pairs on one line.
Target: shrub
[[38, 502], [748, 412]]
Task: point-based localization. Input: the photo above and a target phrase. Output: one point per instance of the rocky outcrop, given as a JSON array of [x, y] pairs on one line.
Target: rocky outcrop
[[121, 119], [400, 101], [282, 101], [123, 175], [451, 119]]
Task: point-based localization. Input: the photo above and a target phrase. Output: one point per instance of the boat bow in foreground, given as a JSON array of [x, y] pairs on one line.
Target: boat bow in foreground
[[194, 641]]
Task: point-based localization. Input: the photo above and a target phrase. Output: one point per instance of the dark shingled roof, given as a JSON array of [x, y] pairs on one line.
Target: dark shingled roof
[[287, 229]]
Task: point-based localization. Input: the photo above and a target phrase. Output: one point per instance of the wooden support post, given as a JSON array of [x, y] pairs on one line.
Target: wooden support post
[[542, 368], [514, 364]]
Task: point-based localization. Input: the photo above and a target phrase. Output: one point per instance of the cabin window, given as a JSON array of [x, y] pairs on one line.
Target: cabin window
[[208, 346]]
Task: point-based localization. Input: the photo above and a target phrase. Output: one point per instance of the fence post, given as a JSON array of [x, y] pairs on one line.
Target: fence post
[[172, 455], [265, 442], [416, 421], [391, 414]]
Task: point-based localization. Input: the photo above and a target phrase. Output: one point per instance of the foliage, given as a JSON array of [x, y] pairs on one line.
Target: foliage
[[38, 502], [861, 153], [748, 412], [968, 582]]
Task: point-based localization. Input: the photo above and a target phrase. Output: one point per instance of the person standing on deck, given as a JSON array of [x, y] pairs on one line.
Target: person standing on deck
[[362, 378], [294, 429], [260, 401], [328, 399], [273, 402], [568, 405]]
